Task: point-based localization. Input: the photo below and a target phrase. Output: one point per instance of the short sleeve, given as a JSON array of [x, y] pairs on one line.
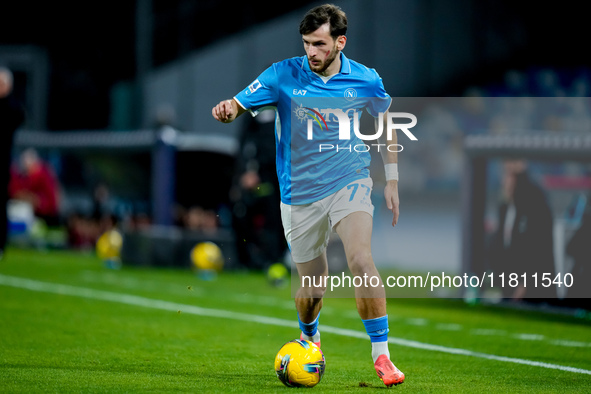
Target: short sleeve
[[380, 100], [262, 92]]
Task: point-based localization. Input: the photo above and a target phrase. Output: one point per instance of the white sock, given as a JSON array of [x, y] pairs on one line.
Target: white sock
[[313, 338], [379, 348]]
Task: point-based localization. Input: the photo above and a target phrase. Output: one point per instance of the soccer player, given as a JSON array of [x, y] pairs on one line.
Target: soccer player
[[326, 189]]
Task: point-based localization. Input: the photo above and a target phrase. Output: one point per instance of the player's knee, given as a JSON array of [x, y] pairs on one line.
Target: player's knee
[[360, 262], [314, 292], [318, 292]]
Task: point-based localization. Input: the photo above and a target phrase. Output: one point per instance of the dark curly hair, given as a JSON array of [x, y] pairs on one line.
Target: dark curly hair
[[327, 13]]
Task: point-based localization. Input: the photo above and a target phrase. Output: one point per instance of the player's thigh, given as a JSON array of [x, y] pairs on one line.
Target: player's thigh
[[355, 233], [307, 230], [351, 213]]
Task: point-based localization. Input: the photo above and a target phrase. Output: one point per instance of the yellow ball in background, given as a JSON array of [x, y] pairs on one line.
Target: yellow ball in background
[[108, 245], [277, 274], [207, 256]]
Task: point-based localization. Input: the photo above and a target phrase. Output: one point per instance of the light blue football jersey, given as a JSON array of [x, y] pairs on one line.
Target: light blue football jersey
[[306, 172]]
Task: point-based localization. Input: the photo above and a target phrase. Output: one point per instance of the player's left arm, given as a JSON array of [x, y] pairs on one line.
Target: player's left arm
[[390, 158]]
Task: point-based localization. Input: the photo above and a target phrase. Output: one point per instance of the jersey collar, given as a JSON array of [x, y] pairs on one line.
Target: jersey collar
[[345, 64]]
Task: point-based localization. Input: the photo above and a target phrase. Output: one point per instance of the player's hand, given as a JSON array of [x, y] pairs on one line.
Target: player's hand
[[392, 201], [225, 112]]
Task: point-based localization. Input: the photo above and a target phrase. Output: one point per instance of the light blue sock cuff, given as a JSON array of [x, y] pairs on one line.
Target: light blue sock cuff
[[309, 329], [377, 328]]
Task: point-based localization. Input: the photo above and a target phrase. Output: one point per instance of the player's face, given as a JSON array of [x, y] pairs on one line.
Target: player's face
[[321, 48]]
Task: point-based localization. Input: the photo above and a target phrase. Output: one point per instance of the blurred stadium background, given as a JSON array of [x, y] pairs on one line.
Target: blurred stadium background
[[119, 94]]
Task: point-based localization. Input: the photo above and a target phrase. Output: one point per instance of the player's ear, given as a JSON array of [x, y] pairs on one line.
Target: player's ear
[[341, 42]]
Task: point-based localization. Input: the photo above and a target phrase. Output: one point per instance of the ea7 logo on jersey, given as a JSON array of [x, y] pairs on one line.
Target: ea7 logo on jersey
[[253, 87], [299, 92]]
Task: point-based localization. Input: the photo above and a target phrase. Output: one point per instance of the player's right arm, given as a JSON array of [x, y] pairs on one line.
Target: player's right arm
[[262, 92], [226, 111]]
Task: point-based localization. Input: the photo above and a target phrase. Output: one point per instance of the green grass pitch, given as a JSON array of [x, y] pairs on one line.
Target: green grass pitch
[[67, 324]]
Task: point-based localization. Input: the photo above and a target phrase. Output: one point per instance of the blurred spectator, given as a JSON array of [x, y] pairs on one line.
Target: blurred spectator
[[100, 200], [82, 231], [199, 219], [107, 222], [140, 221], [33, 181], [256, 218], [523, 241], [11, 117]]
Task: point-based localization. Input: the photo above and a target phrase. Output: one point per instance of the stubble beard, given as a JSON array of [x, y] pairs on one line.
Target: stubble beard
[[326, 63]]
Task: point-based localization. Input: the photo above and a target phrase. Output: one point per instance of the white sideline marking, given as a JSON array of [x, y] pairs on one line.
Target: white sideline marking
[[129, 299]]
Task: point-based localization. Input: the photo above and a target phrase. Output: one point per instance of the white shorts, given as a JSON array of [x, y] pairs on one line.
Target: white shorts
[[307, 227]]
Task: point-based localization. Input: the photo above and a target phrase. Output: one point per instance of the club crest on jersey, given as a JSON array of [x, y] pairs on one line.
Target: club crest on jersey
[[350, 94], [253, 87]]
